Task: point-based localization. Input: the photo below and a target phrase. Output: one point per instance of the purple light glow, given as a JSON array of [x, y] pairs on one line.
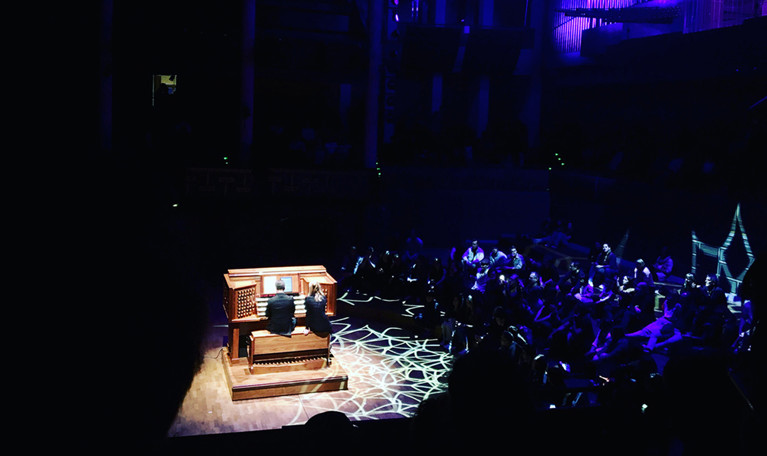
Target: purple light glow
[[567, 30]]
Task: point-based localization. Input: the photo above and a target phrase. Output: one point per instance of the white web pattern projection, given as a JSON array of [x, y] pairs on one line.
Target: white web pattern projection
[[390, 371], [410, 310]]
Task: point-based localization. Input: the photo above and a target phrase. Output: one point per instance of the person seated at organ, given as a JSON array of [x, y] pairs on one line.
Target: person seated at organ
[[280, 311], [316, 318]]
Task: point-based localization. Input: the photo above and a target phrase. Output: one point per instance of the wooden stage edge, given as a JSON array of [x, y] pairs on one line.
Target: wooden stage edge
[[244, 385]]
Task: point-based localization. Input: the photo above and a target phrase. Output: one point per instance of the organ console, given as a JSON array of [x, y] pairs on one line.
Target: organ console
[[246, 292]]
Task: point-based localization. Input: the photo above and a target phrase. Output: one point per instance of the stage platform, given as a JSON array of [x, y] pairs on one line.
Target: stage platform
[[245, 385], [385, 370]]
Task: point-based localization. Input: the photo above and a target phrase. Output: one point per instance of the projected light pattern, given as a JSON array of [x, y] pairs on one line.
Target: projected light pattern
[[567, 30], [720, 252], [409, 309], [390, 372]]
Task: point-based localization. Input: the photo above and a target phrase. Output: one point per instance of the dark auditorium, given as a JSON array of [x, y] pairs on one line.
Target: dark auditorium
[[393, 226]]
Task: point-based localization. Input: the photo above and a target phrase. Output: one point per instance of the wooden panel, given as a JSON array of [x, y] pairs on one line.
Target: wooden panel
[[244, 385], [260, 368], [264, 342]]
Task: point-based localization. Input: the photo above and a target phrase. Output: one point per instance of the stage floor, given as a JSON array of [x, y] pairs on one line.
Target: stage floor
[[390, 371]]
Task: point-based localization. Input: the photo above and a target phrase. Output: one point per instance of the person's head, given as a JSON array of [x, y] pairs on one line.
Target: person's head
[[315, 289], [474, 244], [513, 251], [640, 264], [711, 280], [689, 279], [606, 247], [279, 285]]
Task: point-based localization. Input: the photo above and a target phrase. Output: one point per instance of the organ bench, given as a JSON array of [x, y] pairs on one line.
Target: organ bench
[[303, 349]]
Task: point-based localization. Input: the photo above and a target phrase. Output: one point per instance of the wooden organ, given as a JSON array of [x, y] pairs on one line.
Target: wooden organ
[[246, 292]]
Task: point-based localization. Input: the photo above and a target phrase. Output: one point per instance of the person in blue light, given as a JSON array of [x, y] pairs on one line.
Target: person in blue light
[[482, 277], [642, 273], [605, 267], [413, 247], [516, 260], [473, 256], [497, 258], [663, 266]]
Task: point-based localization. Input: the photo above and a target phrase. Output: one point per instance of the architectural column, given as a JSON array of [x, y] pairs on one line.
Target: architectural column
[[482, 100], [373, 93], [344, 104], [436, 82], [247, 93], [105, 76], [531, 112]]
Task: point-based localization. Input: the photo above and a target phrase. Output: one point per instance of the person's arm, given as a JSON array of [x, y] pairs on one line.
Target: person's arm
[[673, 339], [480, 256], [538, 317]]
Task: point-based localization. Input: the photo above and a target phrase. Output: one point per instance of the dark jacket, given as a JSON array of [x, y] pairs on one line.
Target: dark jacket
[[280, 310], [316, 318]]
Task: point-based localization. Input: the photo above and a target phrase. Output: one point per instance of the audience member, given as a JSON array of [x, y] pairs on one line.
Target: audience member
[[472, 257], [516, 261], [599, 328], [348, 270], [605, 266], [663, 266], [642, 273], [664, 330], [497, 258], [413, 248]]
